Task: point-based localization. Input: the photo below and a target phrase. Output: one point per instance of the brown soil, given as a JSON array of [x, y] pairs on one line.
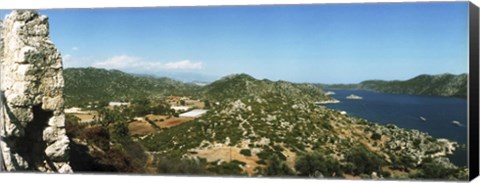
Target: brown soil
[[227, 154], [140, 128], [173, 122]]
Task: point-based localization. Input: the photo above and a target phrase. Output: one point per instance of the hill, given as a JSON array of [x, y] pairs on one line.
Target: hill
[[243, 86], [84, 85], [434, 85]]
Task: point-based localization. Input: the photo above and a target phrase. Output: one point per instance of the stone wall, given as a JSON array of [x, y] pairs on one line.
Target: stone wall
[[33, 133]]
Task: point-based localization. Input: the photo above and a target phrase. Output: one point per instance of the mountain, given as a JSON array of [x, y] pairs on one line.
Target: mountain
[[434, 85], [242, 86], [84, 85]]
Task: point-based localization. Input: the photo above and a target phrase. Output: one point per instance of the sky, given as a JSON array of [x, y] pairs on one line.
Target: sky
[[329, 43]]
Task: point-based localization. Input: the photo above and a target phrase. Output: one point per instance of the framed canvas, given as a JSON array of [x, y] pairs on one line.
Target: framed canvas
[[372, 91]]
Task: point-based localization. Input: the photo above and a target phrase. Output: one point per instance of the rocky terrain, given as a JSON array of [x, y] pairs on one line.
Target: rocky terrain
[[280, 120], [435, 85]]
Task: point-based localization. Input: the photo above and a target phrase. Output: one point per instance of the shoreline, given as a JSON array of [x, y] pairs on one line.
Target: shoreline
[[332, 101]]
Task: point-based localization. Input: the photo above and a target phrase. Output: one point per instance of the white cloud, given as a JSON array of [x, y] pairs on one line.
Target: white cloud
[[75, 48], [70, 61], [67, 57], [131, 63], [184, 64]]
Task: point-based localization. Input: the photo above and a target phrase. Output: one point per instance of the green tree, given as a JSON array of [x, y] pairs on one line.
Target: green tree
[[363, 161], [276, 167], [311, 164]]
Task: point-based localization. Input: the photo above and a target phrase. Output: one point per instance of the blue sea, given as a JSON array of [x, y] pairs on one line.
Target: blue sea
[[406, 111]]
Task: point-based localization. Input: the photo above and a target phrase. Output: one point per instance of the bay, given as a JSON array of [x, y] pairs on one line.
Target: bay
[[431, 114]]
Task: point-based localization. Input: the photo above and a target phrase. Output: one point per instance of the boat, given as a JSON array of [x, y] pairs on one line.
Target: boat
[[354, 97], [457, 123], [329, 93], [423, 118]]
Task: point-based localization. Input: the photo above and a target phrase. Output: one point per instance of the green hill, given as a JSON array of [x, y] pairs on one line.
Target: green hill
[[83, 85], [434, 85], [241, 86]]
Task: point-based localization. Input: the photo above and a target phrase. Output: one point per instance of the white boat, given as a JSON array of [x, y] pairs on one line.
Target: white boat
[[457, 123], [354, 97], [329, 93], [423, 118]]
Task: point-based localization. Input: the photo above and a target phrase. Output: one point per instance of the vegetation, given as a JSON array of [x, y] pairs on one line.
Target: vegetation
[[277, 167], [362, 161], [100, 148], [178, 166], [313, 164]]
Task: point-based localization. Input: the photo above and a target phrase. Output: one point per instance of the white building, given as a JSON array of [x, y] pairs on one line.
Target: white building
[[113, 104], [73, 110], [180, 108], [194, 113]]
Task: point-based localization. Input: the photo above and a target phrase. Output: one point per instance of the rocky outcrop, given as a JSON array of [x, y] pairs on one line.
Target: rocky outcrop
[[33, 133]]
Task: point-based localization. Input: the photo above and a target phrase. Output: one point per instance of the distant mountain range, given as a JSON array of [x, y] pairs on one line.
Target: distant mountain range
[[92, 84], [434, 85]]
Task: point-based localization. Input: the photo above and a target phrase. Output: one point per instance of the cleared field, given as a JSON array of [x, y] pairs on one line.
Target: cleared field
[[153, 117], [173, 122], [227, 154], [86, 117], [144, 128], [140, 128]]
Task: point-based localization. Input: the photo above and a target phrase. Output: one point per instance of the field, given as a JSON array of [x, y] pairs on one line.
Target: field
[[142, 127]]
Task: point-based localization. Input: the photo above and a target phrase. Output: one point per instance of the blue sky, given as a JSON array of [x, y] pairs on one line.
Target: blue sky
[[335, 43]]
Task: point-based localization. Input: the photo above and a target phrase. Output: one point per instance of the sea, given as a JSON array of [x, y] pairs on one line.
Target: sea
[[431, 114]]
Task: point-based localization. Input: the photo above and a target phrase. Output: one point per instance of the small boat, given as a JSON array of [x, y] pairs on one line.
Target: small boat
[[355, 97], [457, 123], [423, 118], [329, 93]]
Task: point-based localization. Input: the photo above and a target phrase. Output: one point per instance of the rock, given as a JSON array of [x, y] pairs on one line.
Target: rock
[[57, 151], [32, 81]]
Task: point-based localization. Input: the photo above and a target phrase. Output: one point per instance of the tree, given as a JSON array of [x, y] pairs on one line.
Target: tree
[[364, 161], [108, 116], [312, 164], [276, 167]]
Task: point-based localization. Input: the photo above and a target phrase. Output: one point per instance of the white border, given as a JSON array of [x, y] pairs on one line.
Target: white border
[[90, 178]]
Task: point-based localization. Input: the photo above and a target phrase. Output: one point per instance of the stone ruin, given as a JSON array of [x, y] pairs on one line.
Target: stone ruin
[[32, 121]]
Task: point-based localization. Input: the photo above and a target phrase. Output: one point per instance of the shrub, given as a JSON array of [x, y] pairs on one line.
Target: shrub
[[376, 136], [276, 167], [228, 168], [246, 152], [312, 163], [172, 165], [364, 161]]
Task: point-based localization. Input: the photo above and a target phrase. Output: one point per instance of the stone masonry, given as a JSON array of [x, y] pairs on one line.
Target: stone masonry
[[32, 132]]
